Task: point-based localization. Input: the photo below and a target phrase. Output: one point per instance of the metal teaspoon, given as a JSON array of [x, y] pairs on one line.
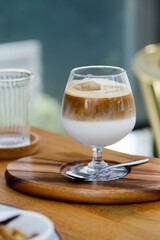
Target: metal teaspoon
[[95, 174]]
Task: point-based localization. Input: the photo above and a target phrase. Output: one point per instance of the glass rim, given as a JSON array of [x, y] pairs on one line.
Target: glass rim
[[30, 74], [123, 71]]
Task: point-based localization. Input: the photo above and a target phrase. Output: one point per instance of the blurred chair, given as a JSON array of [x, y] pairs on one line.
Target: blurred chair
[[45, 110], [146, 66]]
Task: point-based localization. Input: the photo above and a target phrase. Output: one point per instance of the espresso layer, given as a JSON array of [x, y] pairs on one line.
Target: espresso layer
[[98, 100], [98, 109]]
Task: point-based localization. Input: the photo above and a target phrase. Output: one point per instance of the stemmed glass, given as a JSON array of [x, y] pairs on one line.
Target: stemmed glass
[[98, 110]]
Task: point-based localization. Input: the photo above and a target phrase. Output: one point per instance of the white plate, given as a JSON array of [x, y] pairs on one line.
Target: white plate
[[55, 236]]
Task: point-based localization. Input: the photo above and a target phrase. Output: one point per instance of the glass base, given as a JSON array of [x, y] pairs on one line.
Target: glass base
[[83, 172], [13, 140]]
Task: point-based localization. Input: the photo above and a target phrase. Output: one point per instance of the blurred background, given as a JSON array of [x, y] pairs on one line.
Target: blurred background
[[51, 37]]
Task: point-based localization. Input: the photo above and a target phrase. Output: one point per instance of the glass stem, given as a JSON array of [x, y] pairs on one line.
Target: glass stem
[[97, 160]]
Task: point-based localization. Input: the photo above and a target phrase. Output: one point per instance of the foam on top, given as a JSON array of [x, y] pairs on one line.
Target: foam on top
[[99, 88]]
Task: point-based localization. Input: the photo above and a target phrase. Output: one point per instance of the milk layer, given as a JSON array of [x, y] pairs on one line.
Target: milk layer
[[99, 134]]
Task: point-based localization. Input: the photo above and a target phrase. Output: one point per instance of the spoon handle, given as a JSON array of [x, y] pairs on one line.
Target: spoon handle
[[126, 164]]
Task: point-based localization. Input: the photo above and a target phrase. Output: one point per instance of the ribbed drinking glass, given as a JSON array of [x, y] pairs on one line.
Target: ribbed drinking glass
[[15, 93]]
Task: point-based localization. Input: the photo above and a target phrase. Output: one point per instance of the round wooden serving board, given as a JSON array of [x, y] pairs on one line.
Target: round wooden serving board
[[41, 177]]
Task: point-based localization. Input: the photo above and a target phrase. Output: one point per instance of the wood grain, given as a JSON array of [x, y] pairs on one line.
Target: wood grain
[[41, 176], [86, 221], [18, 152]]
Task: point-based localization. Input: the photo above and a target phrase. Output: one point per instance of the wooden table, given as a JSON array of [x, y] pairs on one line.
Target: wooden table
[[86, 221]]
